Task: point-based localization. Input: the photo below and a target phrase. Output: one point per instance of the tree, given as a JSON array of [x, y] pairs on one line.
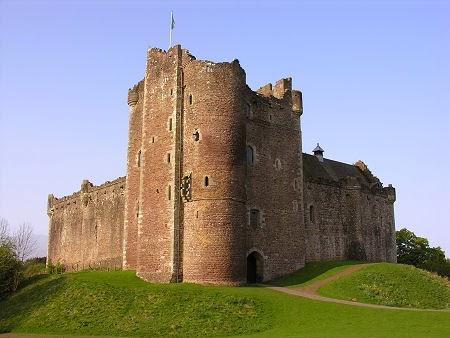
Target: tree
[[23, 242], [414, 250], [4, 230], [10, 270]]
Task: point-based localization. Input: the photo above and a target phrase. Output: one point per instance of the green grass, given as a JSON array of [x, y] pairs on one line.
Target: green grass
[[392, 285], [312, 272], [118, 303]]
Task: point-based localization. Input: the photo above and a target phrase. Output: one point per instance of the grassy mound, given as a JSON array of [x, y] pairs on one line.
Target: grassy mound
[[120, 304], [392, 285], [313, 272]]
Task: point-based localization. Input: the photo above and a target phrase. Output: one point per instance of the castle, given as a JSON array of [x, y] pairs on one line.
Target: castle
[[217, 187]]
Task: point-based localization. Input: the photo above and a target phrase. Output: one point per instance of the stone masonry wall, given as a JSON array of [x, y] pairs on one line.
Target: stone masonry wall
[[134, 164], [274, 180], [348, 223], [213, 218], [85, 229]]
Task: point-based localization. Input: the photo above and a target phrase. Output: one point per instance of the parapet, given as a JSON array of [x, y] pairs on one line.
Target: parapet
[[135, 93], [86, 188], [390, 192], [282, 90], [281, 87]]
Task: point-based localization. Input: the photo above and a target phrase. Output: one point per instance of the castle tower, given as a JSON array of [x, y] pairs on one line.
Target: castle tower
[[214, 158], [134, 164], [189, 217]]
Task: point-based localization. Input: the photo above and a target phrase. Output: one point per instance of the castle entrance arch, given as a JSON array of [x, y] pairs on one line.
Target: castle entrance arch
[[255, 267]]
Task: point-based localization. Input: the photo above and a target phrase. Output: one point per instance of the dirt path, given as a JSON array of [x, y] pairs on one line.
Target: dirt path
[[310, 291]]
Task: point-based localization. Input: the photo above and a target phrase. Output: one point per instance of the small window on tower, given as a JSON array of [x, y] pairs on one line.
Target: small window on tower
[[168, 157], [248, 110], [196, 135], [206, 181], [278, 164], [250, 155], [170, 124], [138, 160], [311, 213], [296, 185], [254, 218], [190, 98]]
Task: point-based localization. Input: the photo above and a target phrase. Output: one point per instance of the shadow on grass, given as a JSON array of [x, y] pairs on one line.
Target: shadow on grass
[[29, 298], [311, 271], [32, 279]]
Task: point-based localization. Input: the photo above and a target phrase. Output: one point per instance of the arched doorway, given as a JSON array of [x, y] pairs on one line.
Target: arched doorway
[[255, 267]]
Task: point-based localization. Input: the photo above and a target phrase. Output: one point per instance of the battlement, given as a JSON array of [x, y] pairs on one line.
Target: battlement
[[282, 90], [86, 187]]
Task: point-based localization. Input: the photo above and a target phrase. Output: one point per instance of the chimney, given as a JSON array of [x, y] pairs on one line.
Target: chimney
[[318, 152]]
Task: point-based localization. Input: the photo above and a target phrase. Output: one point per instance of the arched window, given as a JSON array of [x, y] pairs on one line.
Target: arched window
[[206, 181], [250, 155], [278, 164], [311, 213]]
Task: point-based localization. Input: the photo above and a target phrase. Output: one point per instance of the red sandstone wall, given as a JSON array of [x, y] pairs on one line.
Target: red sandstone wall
[[275, 181], [345, 219], [157, 190], [214, 220], [85, 229], [134, 165]]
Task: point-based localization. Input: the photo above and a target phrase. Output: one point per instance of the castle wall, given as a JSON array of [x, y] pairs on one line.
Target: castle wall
[[86, 228], [214, 227], [275, 181], [158, 190], [134, 164], [348, 223]]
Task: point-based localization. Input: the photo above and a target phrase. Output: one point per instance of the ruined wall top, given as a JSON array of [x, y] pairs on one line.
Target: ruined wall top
[[86, 187]]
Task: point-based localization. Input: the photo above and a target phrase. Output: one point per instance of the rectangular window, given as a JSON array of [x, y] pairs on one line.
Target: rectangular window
[[254, 218]]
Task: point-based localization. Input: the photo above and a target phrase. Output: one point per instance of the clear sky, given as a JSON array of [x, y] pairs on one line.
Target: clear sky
[[375, 77]]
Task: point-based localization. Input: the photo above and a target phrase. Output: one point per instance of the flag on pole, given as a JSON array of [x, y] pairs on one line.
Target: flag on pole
[[172, 26]]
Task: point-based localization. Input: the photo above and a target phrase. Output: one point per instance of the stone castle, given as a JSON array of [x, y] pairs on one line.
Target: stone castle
[[217, 187]]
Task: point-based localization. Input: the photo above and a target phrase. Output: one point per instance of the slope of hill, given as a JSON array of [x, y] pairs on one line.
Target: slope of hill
[[393, 285], [120, 304]]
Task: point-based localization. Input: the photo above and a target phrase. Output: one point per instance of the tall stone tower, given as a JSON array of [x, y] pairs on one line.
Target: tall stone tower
[[194, 208]]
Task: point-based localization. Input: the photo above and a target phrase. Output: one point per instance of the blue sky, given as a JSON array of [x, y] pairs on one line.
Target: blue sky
[[375, 77]]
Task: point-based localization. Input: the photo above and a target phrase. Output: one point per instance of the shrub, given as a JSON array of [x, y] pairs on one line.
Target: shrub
[[57, 268], [34, 266], [10, 270]]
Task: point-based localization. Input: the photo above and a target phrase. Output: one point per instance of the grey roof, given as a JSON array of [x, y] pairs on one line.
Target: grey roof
[[318, 148], [330, 170]]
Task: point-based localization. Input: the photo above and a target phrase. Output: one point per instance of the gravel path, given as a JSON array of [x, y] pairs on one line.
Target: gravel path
[[310, 291]]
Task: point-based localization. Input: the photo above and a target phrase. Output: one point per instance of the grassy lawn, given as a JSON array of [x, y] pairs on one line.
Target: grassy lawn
[[312, 272], [120, 304], [393, 285]]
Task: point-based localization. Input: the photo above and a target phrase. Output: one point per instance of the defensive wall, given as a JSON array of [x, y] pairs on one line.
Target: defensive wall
[[86, 228]]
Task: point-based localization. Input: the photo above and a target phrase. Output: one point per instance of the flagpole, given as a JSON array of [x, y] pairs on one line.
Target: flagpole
[[170, 29]]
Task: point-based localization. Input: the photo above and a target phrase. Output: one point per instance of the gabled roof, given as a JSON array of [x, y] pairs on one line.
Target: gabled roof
[[330, 170]]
